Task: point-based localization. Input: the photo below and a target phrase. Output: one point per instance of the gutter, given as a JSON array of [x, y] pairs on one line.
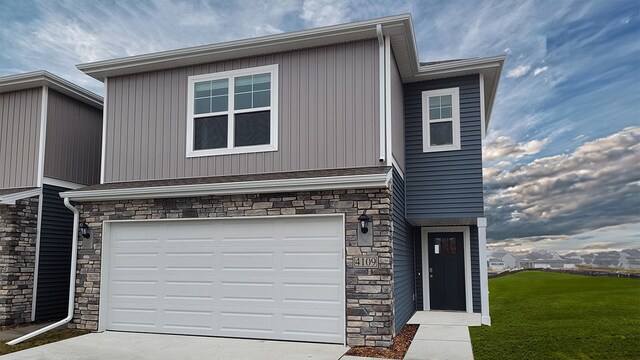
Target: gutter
[[382, 99], [72, 281]]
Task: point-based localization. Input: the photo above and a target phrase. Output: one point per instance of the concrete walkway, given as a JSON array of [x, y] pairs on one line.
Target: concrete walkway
[[135, 346], [442, 335]]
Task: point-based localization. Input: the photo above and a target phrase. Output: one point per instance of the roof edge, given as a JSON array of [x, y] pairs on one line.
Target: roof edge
[[240, 187], [193, 55], [44, 78]]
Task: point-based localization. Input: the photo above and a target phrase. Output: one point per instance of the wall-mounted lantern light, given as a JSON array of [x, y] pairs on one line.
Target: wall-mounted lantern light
[[84, 230], [364, 222]]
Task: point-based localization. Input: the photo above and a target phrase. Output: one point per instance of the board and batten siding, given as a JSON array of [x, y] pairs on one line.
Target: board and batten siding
[[54, 256], [397, 116], [20, 138], [403, 257], [446, 184], [73, 141], [327, 109]]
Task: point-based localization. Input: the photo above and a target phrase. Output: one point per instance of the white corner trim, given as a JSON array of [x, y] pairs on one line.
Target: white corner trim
[[240, 187], [231, 112], [62, 183], [397, 166], [103, 156], [34, 297], [483, 124], [467, 263], [381, 93], [455, 119], [43, 133], [387, 97], [484, 277], [10, 199]]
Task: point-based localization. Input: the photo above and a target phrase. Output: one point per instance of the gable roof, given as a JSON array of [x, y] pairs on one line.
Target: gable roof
[[398, 28], [40, 78]]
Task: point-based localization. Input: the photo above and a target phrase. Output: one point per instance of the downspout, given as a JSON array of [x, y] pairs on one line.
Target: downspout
[[381, 87], [72, 280]]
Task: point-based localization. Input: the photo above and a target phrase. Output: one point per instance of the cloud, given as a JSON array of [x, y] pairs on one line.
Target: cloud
[[596, 185], [505, 147], [518, 71], [539, 70], [324, 12]]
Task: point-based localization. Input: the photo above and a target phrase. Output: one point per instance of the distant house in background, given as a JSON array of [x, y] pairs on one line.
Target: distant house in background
[[496, 264], [525, 263], [50, 141], [502, 260]]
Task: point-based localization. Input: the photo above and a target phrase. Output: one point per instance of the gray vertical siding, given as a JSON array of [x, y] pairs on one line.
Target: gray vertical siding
[[328, 117], [54, 260], [73, 140], [445, 184], [19, 137], [475, 269], [403, 256], [397, 115]]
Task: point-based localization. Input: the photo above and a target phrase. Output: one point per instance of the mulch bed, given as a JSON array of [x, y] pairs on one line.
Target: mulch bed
[[400, 346], [16, 326]]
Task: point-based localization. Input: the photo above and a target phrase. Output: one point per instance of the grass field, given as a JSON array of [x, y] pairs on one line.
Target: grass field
[[538, 315]]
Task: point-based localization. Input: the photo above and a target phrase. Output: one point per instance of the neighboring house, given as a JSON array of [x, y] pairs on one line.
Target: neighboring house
[[525, 263], [496, 264], [509, 261], [50, 140], [320, 185]]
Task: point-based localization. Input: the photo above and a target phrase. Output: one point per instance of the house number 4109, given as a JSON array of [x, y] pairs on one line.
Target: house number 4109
[[367, 262]]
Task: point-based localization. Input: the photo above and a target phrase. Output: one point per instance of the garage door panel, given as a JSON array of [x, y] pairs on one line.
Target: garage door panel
[[271, 278]]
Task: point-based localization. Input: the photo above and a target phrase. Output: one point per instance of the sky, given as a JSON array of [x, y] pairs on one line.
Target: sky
[[562, 153]]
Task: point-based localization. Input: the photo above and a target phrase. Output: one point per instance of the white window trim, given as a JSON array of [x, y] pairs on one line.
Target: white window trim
[[273, 144], [455, 113]]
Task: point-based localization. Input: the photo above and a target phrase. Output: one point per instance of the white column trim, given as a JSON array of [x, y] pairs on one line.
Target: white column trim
[[467, 263], [381, 98], [484, 277], [34, 295]]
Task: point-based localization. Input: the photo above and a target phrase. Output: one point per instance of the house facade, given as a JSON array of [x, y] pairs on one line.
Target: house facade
[[320, 185], [50, 141]]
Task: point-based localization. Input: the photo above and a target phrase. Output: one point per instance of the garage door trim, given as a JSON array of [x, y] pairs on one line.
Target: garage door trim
[[105, 256]]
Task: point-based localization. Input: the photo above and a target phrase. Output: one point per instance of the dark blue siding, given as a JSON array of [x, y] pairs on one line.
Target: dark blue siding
[[475, 269], [403, 257], [444, 184], [54, 259]]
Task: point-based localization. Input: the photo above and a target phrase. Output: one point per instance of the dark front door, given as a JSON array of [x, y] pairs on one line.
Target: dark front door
[[446, 271]]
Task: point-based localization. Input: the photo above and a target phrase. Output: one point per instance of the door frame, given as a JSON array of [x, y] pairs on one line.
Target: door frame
[[106, 251], [466, 236]]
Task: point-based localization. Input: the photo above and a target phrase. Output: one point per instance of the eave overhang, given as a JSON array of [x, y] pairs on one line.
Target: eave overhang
[[41, 78]]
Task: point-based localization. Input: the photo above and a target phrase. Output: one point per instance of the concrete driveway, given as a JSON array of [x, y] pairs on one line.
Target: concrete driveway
[[134, 346]]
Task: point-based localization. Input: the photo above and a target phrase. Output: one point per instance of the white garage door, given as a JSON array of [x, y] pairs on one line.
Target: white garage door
[[270, 278]]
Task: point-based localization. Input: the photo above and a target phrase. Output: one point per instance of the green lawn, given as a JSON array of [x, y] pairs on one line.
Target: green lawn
[[48, 337], [539, 315]]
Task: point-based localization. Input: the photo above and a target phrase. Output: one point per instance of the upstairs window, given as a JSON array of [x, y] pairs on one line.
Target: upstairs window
[[233, 112], [441, 120]]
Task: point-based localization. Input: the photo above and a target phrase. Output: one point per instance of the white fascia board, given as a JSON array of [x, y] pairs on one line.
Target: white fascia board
[[44, 78], [62, 183], [238, 48], [241, 187], [10, 199]]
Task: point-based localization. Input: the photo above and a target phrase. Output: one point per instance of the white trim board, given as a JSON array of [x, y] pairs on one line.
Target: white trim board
[[61, 183], [465, 230], [240, 187], [106, 243], [36, 268], [43, 133], [103, 154]]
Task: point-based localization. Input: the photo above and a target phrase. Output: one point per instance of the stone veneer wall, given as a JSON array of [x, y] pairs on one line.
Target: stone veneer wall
[[18, 235], [369, 298]]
